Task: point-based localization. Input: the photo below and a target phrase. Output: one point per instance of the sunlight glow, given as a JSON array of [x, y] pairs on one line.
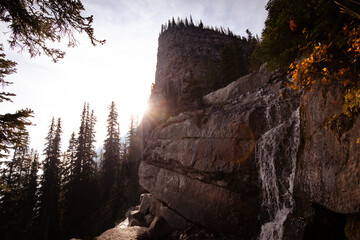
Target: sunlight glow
[[122, 70]]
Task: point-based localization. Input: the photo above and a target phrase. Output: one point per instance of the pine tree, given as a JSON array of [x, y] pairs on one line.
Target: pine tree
[[32, 24], [111, 156], [82, 188], [69, 161], [131, 163], [191, 22], [67, 176], [201, 25], [88, 168], [72, 214], [131, 139], [90, 193], [12, 125], [30, 198], [18, 193], [50, 184]]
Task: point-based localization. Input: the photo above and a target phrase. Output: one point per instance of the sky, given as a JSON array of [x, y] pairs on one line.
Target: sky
[[122, 70]]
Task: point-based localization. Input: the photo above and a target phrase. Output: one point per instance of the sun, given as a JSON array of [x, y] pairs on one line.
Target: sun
[[132, 103], [139, 108]]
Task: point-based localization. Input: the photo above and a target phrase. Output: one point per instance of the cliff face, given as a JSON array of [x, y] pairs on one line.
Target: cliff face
[[329, 166], [190, 64], [328, 174], [206, 164], [184, 52], [256, 159]]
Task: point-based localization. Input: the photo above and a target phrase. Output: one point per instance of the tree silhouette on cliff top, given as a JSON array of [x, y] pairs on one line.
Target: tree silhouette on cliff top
[[173, 24]]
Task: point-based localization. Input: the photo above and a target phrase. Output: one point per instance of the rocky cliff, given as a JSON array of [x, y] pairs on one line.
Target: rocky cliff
[[256, 159], [191, 63]]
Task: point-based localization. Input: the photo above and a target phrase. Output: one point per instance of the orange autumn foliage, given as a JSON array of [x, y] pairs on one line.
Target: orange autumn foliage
[[326, 64], [293, 25]]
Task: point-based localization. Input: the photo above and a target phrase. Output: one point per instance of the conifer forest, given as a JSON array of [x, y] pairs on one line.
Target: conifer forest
[[56, 195]]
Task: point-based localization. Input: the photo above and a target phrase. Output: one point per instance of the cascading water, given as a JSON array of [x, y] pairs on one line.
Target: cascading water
[[277, 190]]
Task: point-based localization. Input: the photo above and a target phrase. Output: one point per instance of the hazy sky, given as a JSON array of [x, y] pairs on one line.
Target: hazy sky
[[122, 70]]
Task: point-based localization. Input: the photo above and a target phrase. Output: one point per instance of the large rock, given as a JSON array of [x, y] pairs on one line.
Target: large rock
[[145, 203], [203, 164], [185, 52], [158, 229], [136, 218], [188, 56], [328, 167]]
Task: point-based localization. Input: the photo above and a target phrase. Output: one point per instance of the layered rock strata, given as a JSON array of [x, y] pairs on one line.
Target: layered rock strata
[[250, 161], [203, 165]]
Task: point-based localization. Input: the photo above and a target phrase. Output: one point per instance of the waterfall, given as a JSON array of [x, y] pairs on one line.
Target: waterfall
[[277, 181]]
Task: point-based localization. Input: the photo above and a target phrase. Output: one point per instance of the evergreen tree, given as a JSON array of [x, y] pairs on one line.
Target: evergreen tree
[[111, 156], [131, 163], [69, 161], [30, 198], [18, 194], [31, 25], [292, 26], [50, 184], [88, 168], [191, 22], [131, 138], [72, 216], [201, 25], [82, 188], [68, 170], [12, 125]]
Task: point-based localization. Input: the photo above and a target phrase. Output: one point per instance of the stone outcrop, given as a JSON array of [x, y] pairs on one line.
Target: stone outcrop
[[203, 164], [185, 53], [329, 166], [327, 179], [256, 159], [188, 57]]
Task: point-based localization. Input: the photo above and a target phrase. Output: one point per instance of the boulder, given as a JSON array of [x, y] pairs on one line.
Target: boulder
[[145, 204], [158, 229], [136, 218], [175, 221], [148, 219]]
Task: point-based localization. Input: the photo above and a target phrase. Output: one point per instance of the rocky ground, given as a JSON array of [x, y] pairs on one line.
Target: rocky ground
[[117, 233], [140, 233], [151, 220]]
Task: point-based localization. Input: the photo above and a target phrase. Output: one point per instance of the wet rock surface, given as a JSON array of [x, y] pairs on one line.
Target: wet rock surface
[[329, 167], [211, 159], [203, 164]]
